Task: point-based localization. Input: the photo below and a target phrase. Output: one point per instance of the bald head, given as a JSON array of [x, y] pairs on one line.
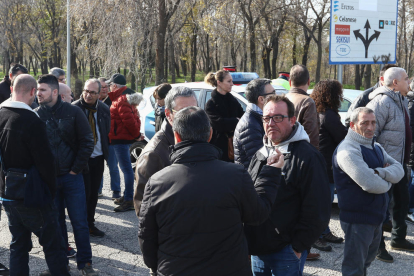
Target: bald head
[[23, 84], [65, 93]]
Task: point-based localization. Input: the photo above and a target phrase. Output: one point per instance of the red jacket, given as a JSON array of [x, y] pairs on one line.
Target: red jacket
[[125, 122]]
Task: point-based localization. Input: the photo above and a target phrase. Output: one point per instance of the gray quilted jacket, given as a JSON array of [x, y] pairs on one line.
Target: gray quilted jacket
[[389, 108]]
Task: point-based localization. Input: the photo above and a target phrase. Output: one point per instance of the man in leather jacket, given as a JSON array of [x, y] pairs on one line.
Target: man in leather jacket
[[72, 144]]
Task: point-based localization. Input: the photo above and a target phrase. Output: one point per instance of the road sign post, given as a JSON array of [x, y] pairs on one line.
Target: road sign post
[[363, 31]]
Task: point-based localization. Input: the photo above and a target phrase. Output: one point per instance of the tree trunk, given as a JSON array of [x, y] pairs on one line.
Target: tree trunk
[[275, 45], [172, 59], [357, 77], [294, 61], [166, 61], [306, 50], [194, 55], [207, 65], [319, 60], [367, 76], [162, 29], [252, 36]]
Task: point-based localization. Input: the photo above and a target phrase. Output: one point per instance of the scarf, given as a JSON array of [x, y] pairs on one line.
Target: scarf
[[91, 117]]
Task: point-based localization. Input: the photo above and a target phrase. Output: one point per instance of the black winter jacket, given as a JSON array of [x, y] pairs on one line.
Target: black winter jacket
[[5, 89], [331, 133], [223, 111], [73, 125], [248, 137], [303, 203], [104, 123], [191, 220], [361, 101], [23, 143]]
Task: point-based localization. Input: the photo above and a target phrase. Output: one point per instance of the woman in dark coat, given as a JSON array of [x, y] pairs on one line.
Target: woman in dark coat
[[224, 111], [159, 111], [328, 96]]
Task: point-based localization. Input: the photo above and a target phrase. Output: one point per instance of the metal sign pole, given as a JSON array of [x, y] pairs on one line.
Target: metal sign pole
[[340, 69]]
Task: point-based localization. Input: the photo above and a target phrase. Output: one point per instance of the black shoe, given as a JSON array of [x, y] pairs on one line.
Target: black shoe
[[313, 256], [321, 245], [384, 256], [125, 206], [387, 226], [4, 270], [402, 245], [95, 232], [332, 238], [119, 201]]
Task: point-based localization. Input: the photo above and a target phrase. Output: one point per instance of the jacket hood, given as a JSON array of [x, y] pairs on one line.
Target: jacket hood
[[134, 99], [298, 134], [190, 151], [16, 104], [114, 95], [385, 91]]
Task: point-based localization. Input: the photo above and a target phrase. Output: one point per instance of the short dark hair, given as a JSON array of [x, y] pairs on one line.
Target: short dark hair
[[279, 98], [385, 68], [162, 90], [255, 88], [299, 75], [50, 80], [193, 124], [16, 67]]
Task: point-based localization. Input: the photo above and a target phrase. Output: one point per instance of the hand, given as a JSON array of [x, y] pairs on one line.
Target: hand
[[277, 160], [142, 137], [72, 173], [386, 165], [297, 254]]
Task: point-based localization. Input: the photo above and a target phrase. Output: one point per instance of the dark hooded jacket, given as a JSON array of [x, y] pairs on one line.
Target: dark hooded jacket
[[302, 208], [5, 89], [191, 220]]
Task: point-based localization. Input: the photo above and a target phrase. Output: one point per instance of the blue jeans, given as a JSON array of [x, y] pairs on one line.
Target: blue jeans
[[282, 263], [411, 192], [112, 163], [122, 154], [43, 223], [71, 191]]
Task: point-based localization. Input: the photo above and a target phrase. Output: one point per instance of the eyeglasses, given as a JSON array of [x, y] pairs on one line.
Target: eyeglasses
[[104, 87], [62, 79], [93, 93], [276, 118], [271, 93]]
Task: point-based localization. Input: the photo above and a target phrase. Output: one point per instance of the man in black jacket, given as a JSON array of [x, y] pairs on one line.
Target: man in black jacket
[[23, 144], [248, 136], [191, 220], [71, 140], [100, 123], [302, 207], [14, 71]]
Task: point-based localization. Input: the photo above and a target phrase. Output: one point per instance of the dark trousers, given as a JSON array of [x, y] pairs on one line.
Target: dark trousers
[[92, 181], [399, 200], [43, 223]]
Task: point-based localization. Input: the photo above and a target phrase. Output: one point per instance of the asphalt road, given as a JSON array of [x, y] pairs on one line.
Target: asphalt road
[[118, 253]]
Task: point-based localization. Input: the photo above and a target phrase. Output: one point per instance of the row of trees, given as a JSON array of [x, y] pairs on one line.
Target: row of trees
[[161, 40]]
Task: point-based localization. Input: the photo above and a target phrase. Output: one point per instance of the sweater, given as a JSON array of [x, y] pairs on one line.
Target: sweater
[[361, 180]]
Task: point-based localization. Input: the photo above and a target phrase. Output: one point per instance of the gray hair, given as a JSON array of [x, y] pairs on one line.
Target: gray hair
[[355, 113], [193, 124], [394, 73], [57, 72], [256, 88], [119, 85], [175, 92], [95, 81]]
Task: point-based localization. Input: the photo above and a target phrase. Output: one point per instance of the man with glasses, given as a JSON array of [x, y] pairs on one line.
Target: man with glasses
[[248, 136], [125, 130], [99, 120], [59, 74], [303, 204], [72, 143]]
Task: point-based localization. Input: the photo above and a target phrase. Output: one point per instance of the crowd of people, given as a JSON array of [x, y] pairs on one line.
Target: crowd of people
[[217, 190]]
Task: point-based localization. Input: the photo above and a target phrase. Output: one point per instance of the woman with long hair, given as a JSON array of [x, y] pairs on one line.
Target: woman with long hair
[[328, 96], [224, 112]]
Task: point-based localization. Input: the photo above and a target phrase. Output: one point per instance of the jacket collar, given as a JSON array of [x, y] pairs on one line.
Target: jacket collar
[[298, 91], [395, 95], [17, 104], [358, 138], [189, 151], [53, 108], [167, 129], [255, 108], [114, 95]]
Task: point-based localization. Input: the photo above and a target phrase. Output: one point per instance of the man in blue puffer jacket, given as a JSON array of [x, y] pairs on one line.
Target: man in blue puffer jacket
[[248, 136], [363, 174]]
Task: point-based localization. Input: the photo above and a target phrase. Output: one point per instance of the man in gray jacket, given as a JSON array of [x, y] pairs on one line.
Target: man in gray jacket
[[394, 134]]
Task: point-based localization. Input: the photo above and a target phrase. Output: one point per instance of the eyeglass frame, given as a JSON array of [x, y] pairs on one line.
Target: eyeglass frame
[[271, 118], [86, 91], [267, 94]]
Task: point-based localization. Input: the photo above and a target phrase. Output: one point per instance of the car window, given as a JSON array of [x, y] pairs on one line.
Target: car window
[[242, 104], [345, 104], [208, 97]]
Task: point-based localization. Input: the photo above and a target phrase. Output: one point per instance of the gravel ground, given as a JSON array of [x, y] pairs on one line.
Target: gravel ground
[[118, 253]]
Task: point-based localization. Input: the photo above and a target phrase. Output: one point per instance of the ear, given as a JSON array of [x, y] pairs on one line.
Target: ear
[[177, 137], [211, 134], [32, 92], [290, 83], [352, 125], [55, 92], [11, 89], [308, 82], [168, 115], [292, 121], [10, 76]]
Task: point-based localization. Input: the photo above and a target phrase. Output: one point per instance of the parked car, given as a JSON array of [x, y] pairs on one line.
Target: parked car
[[203, 94]]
